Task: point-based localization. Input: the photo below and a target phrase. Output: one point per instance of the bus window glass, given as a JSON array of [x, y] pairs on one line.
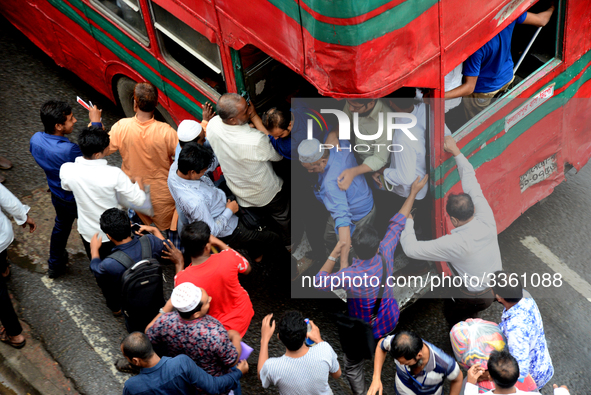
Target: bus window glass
[[128, 12], [194, 52]]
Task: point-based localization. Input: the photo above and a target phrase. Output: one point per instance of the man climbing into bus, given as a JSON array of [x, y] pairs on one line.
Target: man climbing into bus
[[348, 209], [489, 70], [245, 156], [472, 248]]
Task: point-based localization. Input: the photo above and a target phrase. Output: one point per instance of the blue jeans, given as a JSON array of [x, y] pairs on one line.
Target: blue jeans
[[65, 214]]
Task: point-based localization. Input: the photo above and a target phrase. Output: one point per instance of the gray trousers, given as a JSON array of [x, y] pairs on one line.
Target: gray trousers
[[353, 370]]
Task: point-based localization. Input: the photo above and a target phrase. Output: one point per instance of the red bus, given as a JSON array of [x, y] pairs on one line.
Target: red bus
[[195, 50]]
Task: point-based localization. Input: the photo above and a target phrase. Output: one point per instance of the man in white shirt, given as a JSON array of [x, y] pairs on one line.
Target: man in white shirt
[[245, 156], [11, 331], [504, 372], [472, 248], [95, 185], [303, 369], [406, 164]]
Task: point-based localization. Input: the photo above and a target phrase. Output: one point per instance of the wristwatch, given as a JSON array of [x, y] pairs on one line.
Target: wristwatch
[[332, 258]]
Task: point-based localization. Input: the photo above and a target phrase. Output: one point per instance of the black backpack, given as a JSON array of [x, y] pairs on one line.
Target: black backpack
[[142, 291]]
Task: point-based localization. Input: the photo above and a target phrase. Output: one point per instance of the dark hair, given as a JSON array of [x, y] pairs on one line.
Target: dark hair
[[195, 237], [195, 157], [365, 241], [137, 345], [115, 223], [504, 286], [227, 106], [275, 118], [503, 369], [403, 97], [187, 315], [54, 112], [460, 206], [146, 96], [93, 140], [292, 330], [406, 344]]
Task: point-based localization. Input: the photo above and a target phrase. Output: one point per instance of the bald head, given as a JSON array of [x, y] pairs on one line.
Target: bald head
[[230, 107], [460, 206], [137, 345], [407, 345]]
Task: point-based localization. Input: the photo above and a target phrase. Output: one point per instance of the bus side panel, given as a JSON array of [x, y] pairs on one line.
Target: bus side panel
[[410, 48], [79, 48], [32, 22], [577, 127], [277, 32], [578, 26]]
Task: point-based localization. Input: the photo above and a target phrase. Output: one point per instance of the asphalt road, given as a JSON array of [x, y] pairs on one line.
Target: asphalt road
[[70, 316]]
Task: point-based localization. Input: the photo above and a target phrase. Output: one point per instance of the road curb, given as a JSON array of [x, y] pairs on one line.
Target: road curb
[[32, 369]]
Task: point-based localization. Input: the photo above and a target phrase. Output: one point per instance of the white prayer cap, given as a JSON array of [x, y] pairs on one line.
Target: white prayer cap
[[309, 151], [185, 297], [188, 130]]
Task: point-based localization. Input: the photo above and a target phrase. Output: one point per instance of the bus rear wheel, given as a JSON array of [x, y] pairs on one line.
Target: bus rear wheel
[[125, 88]]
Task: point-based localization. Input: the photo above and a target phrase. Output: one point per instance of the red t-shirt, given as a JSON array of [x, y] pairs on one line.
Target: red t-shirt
[[218, 275]]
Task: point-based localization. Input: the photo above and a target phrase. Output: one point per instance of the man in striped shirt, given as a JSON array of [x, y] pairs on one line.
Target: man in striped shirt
[[303, 369], [421, 367], [361, 299]]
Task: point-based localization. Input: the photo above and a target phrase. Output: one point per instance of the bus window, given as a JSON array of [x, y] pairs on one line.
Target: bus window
[[535, 53], [189, 50], [546, 46], [128, 12]]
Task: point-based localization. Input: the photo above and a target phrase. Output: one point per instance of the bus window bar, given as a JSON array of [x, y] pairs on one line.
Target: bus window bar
[[131, 5], [186, 47], [527, 49]]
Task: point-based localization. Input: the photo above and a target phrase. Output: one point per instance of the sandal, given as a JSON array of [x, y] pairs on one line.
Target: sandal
[[124, 366], [6, 339]]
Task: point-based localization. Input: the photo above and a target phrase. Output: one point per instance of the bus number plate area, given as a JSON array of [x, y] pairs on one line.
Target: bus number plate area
[[538, 173]]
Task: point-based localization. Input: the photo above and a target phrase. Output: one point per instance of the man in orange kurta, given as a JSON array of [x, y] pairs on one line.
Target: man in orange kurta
[[147, 147]]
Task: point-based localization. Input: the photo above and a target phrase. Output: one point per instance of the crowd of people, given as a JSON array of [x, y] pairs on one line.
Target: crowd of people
[[214, 198]]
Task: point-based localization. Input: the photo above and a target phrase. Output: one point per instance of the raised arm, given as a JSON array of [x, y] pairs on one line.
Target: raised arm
[[540, 19], [378, 363]]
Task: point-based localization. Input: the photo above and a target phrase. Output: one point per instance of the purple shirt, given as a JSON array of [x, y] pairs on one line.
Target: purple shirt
[[361, 299]]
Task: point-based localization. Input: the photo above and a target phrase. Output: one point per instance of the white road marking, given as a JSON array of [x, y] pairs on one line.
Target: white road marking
[[101, 345], [554, 263]]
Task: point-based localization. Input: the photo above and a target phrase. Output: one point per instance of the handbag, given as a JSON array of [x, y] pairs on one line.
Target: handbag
[[355, 334]]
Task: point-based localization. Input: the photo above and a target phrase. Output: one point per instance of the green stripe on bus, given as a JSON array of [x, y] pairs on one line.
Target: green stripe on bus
[[352, 35], [344, 9], [132, 61], [496, 148]]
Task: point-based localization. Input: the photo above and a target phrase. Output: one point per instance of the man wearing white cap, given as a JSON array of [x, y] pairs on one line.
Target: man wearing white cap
[[193, 131], [348, 208], [190, 330]]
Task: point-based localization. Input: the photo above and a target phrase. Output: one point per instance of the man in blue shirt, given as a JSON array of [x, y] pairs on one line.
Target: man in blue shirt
[[51, 149], [347, 208], [115, 224], [490, 69], [171, 376]]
